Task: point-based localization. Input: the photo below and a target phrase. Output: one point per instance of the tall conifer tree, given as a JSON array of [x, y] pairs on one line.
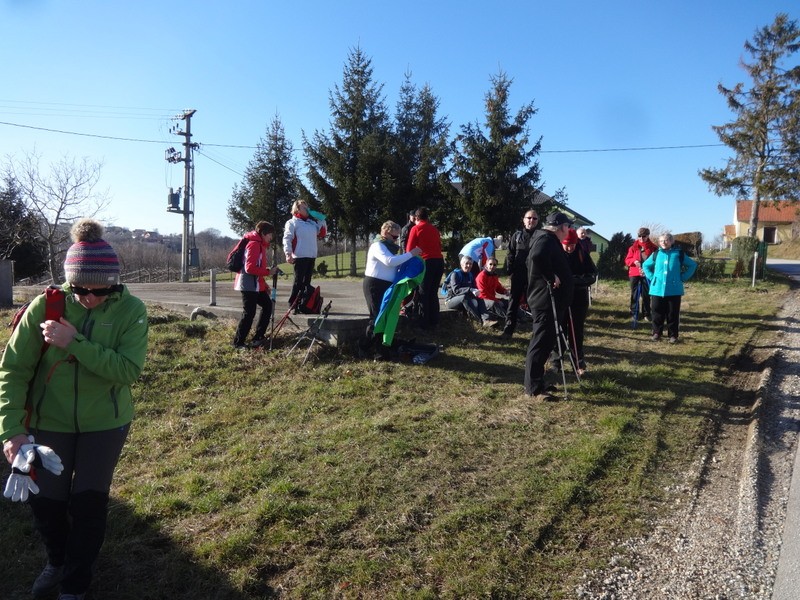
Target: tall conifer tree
[[349, 168], [497, 168], [765, 133], [270, 183]]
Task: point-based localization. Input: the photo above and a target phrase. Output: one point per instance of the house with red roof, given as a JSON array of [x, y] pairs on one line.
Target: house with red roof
[[777, 221]]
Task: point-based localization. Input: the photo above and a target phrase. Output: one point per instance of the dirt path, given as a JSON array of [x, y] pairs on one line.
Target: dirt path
[[724, 541]]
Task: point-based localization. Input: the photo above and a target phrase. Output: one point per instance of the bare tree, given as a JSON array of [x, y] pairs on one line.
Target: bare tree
[[66, 193]]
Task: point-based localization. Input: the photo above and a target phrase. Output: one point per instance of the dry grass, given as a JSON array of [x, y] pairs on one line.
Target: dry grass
[[247, 476]]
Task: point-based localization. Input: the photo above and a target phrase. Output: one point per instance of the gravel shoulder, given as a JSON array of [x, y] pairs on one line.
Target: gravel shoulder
[[723, 538]]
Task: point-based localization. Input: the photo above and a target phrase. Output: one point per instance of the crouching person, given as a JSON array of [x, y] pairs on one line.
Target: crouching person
[[462, 292]]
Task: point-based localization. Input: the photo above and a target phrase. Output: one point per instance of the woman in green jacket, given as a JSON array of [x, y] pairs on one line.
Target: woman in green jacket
[[74, 397]]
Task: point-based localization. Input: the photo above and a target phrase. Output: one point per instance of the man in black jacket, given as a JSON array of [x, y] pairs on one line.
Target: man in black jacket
[[517, 256], [548, 272]]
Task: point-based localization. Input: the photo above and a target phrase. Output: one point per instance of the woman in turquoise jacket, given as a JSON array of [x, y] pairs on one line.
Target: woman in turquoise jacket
[[74, 398], [667, 269]]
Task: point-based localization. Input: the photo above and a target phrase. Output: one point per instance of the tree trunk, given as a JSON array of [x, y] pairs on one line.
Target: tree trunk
[[353, 253]]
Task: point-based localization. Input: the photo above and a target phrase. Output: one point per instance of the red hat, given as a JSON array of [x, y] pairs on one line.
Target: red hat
[[572, 237]]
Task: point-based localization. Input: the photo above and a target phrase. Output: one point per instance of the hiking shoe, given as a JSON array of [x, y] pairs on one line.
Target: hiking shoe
[[673, 340], [489, 322], [47, 581], [656, 337], [258, 343]]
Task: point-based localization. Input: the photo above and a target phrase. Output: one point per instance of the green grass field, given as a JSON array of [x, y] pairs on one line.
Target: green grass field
[[247, 476]]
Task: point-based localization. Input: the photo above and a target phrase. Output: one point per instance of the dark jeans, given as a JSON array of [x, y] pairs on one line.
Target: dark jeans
[[475, 307], [645, 296], [543, 338], [251, 300], [574, 328], [303, 270], [71, 509], [666, 309], [519, 289], [429, 292]]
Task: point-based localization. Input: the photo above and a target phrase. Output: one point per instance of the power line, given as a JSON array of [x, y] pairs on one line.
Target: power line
[[572, 151]]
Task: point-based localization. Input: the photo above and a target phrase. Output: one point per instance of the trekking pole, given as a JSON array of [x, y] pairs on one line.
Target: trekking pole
[[558, 339], [276, 271], [573, 355], [636, 304]]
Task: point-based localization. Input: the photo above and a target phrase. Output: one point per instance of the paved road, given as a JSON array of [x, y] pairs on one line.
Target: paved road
[[785, 266], [346, 296], [787, 579]]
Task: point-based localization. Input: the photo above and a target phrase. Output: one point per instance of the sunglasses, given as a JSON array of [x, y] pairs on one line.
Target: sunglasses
[[533, 218], [82, 291]]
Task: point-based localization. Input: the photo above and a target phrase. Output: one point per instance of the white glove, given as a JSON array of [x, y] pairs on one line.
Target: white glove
[[43, 457], [20, 483]]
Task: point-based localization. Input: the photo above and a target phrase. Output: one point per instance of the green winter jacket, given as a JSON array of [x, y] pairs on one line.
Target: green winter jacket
[[84, 387]]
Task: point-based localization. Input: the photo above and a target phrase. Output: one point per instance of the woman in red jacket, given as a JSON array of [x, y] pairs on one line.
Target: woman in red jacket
[[252, 284], [637, 254], [489, 286]]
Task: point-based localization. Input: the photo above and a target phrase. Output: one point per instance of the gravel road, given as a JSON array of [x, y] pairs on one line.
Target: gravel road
[[723, 539]]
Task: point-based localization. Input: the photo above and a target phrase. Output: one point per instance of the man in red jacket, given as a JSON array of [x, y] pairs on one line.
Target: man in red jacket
[[427, 238], [637, 254]]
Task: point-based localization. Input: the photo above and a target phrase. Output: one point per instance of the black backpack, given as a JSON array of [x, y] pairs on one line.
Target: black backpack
[[310, 302], [235, 262]]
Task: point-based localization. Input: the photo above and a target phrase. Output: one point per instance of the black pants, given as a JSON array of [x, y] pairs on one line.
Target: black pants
[[71, 509], [519, 288], [251, 300], [543, 338], [645, 296], [373, 289], [303, 270], [574, 328], [667, 308], [429, 292]]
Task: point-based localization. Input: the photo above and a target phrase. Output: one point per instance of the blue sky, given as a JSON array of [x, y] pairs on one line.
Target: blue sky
[[603, 76]]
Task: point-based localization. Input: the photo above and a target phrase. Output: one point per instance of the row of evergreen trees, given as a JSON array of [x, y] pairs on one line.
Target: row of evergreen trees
[[370, 167]]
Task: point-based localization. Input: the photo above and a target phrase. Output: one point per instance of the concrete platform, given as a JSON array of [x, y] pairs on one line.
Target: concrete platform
[[346, 321]]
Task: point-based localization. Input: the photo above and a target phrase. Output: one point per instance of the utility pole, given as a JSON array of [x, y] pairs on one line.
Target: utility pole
[[188, 249]]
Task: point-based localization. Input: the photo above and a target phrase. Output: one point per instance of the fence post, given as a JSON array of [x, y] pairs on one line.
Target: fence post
[[213, 280], [755, 265], [6, 282]]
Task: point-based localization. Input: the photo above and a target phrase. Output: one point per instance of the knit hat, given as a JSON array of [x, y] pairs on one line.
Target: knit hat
[[90, 260], [572, 237]]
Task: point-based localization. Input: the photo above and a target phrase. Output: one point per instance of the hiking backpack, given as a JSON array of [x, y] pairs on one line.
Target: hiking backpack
[[235, 261], [55, 300], [310, 302]]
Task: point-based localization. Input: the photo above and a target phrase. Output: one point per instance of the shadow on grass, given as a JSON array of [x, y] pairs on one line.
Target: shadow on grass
[[137, 561]]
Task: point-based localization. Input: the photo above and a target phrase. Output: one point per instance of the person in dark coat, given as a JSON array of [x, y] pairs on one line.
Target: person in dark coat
[[548, 273], [584, 274], [517, 266]]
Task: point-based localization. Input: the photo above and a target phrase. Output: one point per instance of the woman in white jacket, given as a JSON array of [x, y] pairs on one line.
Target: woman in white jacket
[[300, 236]]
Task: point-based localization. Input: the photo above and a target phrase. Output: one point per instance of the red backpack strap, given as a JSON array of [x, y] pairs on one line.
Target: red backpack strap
[[55, 303], [54, 306]]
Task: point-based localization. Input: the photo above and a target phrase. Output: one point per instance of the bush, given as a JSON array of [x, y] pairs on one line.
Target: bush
[[742, 250], [708, 269], [611, 263]]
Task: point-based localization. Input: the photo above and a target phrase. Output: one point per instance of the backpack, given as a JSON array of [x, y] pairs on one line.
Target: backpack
[[310, 302], [235, 261], [55, 302], [446, 284], [655, 255]]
